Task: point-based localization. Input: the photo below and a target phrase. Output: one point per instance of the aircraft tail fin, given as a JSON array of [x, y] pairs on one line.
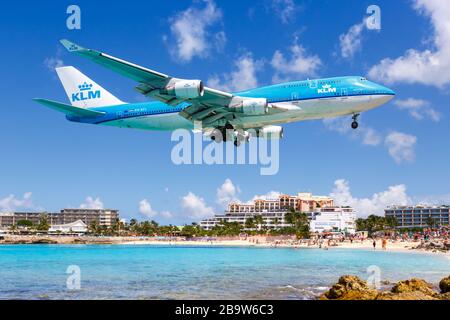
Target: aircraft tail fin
[[69, 110], [83, 92]]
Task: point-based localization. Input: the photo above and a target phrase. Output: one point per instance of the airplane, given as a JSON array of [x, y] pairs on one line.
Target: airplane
[[183, 103]]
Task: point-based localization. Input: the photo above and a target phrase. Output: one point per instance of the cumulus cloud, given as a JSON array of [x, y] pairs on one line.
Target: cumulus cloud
[[394, 195], [146, 209], [271, 195], [300, 64], [284, 9], [242, 78], [428, 67], [11, 203], [401, 146], [418, 109], [53, 62], [227, 193], [191, 34], [351, 41], [92, 203], [366, 135], [196, 207]]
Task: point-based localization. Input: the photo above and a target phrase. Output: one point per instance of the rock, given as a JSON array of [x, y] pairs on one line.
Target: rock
[[444, 296], [444, 285], [350, 288], [414, 286], [45, 241], [412, 295]]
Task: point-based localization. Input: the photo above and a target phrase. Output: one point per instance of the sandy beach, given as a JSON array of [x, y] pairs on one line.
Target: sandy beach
[[257, 241]]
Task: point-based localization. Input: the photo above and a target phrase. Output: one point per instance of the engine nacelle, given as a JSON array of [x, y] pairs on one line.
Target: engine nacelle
[[253, 107], [186, 89], [271, 132]]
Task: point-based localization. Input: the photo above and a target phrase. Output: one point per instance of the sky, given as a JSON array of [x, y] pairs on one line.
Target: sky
[[399, 155]]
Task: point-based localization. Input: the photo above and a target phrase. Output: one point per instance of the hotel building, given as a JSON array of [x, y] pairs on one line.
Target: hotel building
[[101, 216], [273, 212], [418, 216]]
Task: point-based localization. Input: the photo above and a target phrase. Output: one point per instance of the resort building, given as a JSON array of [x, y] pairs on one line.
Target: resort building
[[419, 216], [273, 212], [103, 217], [77, 227]]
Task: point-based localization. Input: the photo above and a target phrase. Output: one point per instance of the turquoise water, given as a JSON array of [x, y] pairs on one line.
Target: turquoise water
[[148, 272]]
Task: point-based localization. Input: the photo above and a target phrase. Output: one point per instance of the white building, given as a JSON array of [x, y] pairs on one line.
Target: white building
[[77, 227], [338, 219]]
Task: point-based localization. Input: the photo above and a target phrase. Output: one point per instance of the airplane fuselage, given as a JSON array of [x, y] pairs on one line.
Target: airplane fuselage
[[300, 100]]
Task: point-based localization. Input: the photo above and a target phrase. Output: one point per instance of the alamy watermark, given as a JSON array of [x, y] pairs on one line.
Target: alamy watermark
[[241, 147], [73, 22], [373, 21], [374, 278], [73, 282]]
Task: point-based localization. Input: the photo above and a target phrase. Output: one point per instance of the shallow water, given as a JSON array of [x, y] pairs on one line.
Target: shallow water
[[149, 272]]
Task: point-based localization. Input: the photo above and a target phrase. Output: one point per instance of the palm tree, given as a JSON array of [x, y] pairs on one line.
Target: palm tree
[[259, 221], [250, 223]]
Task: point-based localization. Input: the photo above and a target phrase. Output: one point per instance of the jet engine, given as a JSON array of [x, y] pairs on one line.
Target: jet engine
[[271, 132], [186, 89]]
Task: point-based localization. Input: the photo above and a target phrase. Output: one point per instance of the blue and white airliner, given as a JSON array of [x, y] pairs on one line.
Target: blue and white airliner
[[186, 103]]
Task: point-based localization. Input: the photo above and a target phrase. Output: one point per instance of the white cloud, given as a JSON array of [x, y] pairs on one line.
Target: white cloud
[[53, 62], [227, 193], [395, 195], [91, 203], [190, 31], [401, 146], [351, 41], [284, 9], [271, 195], [418, 109], [11, 203], [300, 64], [430, 66], [146, 209], [244, 77], [366, 135], [196, 207]]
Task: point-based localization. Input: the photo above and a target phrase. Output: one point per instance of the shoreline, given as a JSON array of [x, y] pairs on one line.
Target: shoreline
[[251, 242]]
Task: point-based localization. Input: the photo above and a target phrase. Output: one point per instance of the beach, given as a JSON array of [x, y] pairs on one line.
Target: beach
[[255, 241]]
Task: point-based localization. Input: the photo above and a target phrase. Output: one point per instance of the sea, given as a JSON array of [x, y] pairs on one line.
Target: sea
[[109, 272]]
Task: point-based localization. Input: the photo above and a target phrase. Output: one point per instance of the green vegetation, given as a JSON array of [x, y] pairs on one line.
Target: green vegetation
[[375, 223]]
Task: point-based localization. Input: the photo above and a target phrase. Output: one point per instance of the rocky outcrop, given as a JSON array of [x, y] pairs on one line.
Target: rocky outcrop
[[444, 285], [350, 288], [353, 288]]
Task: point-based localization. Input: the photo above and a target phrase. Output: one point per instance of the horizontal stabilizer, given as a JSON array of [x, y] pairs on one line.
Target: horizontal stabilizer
[[69, 110]]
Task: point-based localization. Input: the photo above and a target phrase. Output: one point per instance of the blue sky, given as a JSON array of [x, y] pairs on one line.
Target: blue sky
[[400, 155]]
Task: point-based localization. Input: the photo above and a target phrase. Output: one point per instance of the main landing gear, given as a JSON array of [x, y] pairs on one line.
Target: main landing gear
[[355, 123], [227, 133]]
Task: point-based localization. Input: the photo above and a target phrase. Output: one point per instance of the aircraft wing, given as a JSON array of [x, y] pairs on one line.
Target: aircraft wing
[[209, 106]]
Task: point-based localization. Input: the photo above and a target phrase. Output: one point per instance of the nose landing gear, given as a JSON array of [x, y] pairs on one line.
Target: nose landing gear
[[355, 123]]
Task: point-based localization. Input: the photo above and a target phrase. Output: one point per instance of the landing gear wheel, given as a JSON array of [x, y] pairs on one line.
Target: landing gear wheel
[[217, 136], [355, 123]]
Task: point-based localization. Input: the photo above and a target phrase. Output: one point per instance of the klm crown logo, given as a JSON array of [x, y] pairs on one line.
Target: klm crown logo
[[326, 88], [86, 93]]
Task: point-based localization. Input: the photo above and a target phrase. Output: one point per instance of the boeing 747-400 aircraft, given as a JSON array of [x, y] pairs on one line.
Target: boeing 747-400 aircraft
[[182, 103]]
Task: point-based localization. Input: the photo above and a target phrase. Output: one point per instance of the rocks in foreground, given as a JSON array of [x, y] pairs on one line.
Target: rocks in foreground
[[353, 288]]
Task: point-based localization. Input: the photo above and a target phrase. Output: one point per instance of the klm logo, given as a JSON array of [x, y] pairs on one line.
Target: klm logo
[[86, 93], [326, 88]]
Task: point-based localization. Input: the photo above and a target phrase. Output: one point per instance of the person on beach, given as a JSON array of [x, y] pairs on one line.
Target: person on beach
[[374, 244], [384, 243]]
